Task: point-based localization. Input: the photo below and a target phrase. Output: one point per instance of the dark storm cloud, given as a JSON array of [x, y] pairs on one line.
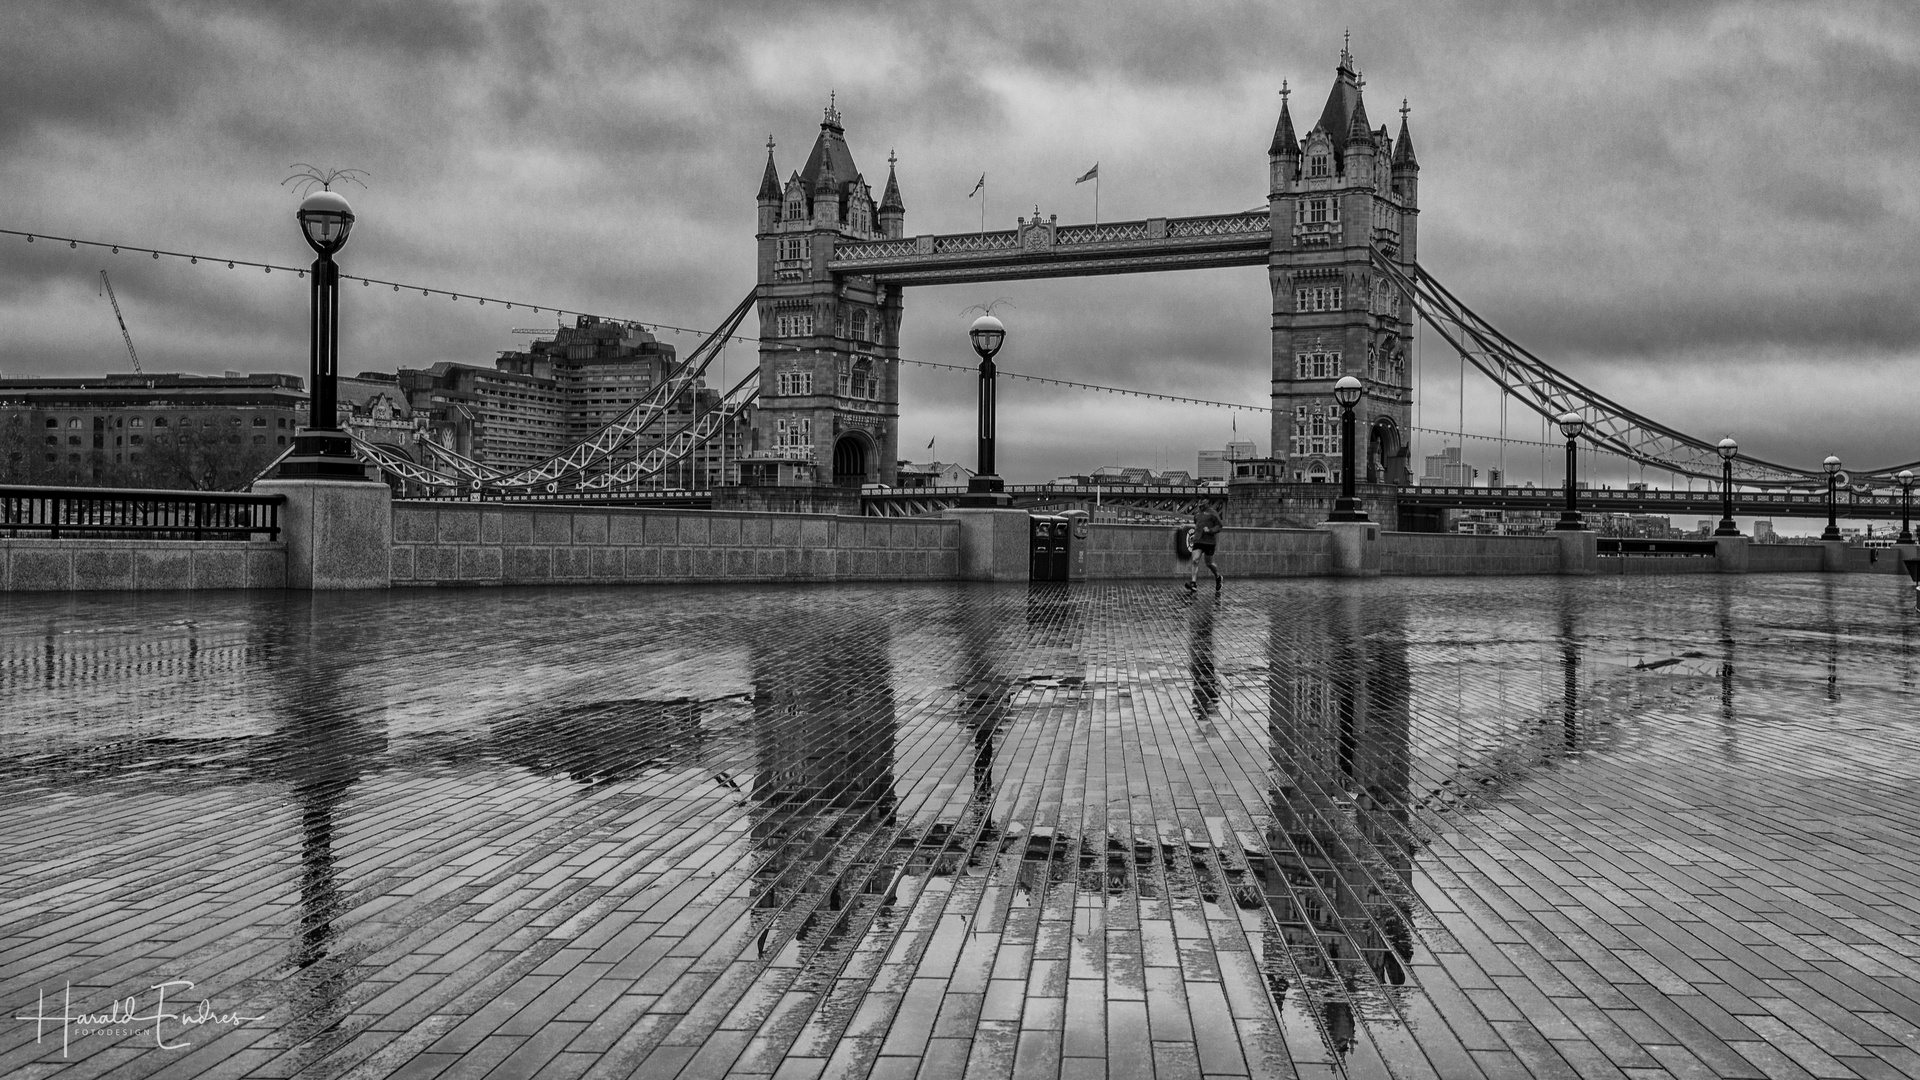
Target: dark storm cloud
[[1641, 190]]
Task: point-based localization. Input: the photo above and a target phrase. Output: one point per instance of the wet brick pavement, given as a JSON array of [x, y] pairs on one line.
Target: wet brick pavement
[[1546, 827]]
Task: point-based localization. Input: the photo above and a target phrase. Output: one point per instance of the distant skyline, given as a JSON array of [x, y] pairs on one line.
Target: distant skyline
[[1705, 211]]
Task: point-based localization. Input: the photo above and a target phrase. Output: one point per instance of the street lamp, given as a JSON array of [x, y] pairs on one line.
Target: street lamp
[[1571, 425], [987, 334], [321, 450], [1348, 393], [1905, 476], [1832, 465], [1728, 448]]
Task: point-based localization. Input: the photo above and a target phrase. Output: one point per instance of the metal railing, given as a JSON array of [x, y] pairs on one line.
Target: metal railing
[[133, 514]]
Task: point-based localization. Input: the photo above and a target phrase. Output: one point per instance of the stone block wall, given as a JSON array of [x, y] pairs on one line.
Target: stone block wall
[[1658, 564], [1450, 554], [1146, 551], [437, 543], [33, 565], [1784, 558]]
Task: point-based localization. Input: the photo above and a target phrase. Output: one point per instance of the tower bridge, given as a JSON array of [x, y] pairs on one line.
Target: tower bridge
[[833, 264]]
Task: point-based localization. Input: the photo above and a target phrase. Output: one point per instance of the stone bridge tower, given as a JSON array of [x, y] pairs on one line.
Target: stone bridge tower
[[1345, 188], [829, 408]]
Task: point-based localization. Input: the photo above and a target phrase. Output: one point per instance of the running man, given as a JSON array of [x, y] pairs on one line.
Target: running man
[[1206, 535]]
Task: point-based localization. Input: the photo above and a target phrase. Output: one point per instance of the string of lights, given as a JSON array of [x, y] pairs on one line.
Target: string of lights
[[648, 324]]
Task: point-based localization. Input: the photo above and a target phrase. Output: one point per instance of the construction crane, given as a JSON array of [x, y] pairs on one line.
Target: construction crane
[[106, 286]]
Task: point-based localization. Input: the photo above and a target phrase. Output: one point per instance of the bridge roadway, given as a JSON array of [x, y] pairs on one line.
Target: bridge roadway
[[909, 502], [1048, 249]]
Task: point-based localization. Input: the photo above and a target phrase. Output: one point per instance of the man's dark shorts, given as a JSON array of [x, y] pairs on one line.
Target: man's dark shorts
[[1205, 549]]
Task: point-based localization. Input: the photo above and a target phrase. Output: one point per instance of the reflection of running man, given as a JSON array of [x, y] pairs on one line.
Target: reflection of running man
[[1206, 534]]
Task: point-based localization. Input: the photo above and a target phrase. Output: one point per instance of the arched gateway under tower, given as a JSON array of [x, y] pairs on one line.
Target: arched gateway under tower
[[832, 264]]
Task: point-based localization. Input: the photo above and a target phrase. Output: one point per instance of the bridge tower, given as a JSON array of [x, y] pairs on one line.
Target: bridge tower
[[1343, 189], [829, 408]]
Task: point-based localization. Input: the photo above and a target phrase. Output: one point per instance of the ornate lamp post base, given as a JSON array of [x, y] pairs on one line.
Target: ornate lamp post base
[[985, 491]]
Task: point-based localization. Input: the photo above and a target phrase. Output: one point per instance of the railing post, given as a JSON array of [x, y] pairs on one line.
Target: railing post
[[53, 515], [199, 509]]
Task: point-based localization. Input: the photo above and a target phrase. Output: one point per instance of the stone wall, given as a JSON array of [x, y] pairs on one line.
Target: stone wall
[[1662, 564], [1450, 554], [1146, 551], [436, 543], [1784, 558], [83, 565]]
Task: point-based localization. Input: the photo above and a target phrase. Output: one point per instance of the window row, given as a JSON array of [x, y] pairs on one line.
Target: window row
[[796, 433], [1316, 430], [1316, 365], [78, 423], [1318, 298], [789, 326], [1316, 211], [796, 249], [796, 383]]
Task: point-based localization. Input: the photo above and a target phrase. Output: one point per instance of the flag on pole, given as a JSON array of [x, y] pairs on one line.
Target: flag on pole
[[978, 186], [930, 442], [1091, 174]]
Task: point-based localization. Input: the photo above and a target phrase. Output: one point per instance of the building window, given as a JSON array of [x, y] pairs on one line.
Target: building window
[[52, 422], [1316, 365], [76, 422], [159, 421], [73, 440], [53, 440], [259, 421], [280, 422], [282, 441], [796, 383], [1319, 298], [136, 422], [1318, 165], [789, 326], [793, 434], [135, 440], [796, 249]]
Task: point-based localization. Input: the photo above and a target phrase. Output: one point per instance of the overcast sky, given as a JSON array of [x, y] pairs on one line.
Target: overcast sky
[[1707, 211]]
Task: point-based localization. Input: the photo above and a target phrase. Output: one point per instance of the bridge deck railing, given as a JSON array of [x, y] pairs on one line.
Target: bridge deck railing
[[126, 513]]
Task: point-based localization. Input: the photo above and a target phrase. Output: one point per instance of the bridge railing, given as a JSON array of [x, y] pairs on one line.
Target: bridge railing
[[130, 514]]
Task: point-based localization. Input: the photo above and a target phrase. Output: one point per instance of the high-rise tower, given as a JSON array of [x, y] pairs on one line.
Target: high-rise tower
[[1342, 190], [829, 359]]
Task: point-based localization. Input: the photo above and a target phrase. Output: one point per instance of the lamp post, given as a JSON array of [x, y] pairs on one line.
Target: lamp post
[[1571, 425], [321, 450], [1832, 465], [1905, 477], [987, 335], [1728, 448], [1348, 393]]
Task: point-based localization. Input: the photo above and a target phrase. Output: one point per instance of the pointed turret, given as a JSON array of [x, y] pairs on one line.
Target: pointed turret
[[1403, 146], [893, 211], [1337, 118], [770, 179], [1358, 129], [1285, 143]]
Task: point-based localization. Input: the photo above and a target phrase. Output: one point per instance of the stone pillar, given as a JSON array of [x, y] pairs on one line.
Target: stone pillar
[[1353, 548], [1579, 551], [1833, 556], [1731, 551], [994, 544], [339, 533]]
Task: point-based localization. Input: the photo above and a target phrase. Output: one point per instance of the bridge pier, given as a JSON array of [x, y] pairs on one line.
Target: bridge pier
[[1833, 556], [994, 544], [1353, 548]]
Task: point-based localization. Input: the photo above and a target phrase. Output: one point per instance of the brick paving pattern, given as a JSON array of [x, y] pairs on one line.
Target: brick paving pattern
[[1456, 828]]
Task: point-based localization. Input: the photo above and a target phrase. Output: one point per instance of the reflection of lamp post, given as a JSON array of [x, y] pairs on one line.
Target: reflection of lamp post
[[988, 333], [1571, 425], [1832, 465], [1348, 393], [322, 450], [1905, 477], [1728, 448]]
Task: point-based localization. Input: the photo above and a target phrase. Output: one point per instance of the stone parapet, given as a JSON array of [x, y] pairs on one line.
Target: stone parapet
[[1146, 551], [33, 565], [1413, 554], [339, 533], [437, 543]]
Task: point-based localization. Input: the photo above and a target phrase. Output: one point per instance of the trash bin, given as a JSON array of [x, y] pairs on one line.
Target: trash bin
[[1050, 535], [1077, 528]]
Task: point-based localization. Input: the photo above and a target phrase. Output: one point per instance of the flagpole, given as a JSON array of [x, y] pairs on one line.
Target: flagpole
[[1096, 197]]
